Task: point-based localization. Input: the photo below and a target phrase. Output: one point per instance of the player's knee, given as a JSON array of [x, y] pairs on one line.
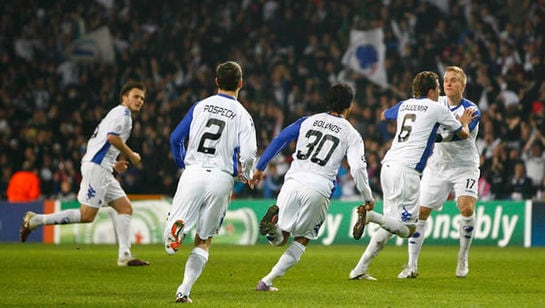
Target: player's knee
[[412, 230], [87, 218]]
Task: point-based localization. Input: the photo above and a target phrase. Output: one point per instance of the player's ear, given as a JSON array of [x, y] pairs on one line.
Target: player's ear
[[216, 81], [240, 83]]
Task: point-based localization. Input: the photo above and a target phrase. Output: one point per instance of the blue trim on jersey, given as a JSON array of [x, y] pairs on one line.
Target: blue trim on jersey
[[279, 142], [428, 150], [179, 136], [99, 156], [391, 113], [235, 162], [473, 124]]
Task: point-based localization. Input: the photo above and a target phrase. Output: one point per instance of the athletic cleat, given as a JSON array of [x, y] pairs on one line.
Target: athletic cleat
[[359, 227], [182, 298], [26, 228], [363, 276], [267, 225], [132, 261], [261, 286], [462, 268], [408, 272], [173, 239]]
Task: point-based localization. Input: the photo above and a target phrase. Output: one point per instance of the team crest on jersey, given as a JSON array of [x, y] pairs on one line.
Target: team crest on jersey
[[91, 192]]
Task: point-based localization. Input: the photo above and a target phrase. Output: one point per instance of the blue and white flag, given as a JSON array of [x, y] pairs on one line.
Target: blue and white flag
[[365, 55], [96, 46]]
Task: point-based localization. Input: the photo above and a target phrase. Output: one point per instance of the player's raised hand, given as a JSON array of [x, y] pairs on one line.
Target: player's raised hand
[[468, 116]]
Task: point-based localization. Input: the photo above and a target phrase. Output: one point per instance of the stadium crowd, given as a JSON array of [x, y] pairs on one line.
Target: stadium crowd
[[291, 52]]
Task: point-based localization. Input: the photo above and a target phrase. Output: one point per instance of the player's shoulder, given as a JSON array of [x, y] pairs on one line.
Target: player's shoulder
[[119, 111], [469, 104]]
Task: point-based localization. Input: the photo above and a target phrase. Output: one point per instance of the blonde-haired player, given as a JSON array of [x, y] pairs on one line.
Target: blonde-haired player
[[453, 165], [418, 120]]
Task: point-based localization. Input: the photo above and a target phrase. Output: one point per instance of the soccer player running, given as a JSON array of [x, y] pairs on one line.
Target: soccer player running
[[216, 130], [418, 120], [98, 186], [454, 164], [323, 140]]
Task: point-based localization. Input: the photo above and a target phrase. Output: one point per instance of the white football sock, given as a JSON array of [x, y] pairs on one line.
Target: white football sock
[[123, 230], [193, 269], [289, 258], [60, 218], [467, 225], [389, 224], [415, 243], [376, 244]]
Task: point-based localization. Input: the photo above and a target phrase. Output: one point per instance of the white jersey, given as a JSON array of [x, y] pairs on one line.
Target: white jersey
[[458, 153], [99, 151], [418, 120], [218, 128], [323, 140]]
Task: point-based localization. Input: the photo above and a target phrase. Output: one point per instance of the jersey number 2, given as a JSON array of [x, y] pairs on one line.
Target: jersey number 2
[[212, 136]]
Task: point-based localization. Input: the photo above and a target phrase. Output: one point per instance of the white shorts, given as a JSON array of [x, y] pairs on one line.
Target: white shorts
[[201, 200], [98, 186], [302, 210], [437, 184], [400, 186]]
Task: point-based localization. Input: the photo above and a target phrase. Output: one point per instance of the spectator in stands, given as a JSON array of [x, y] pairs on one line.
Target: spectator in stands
[[519, 186], [273, 182], [24, 185], [39, 76]]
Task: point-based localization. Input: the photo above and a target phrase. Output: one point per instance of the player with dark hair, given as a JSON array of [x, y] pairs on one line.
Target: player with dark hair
[[418, 120], [98, 186], [453, 165], [322, 141], [206, 144]]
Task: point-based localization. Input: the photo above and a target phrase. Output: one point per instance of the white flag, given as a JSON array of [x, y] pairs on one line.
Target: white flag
[[95, 46], [366, 53]]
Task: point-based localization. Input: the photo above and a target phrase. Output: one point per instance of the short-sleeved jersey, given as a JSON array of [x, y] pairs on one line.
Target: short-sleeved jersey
[[99, 151], [323, 140], [418, 120], [458, 153], [217, 130]]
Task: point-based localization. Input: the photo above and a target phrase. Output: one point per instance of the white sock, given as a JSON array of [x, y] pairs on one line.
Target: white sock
[[376, 244], [279, 237], [287, 260], [389, 224], [193, 269], [60, 218], [123, 230], [415, 243], [467, 225]]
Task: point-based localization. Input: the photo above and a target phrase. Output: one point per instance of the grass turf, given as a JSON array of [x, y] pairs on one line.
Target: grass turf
[[76, 275]]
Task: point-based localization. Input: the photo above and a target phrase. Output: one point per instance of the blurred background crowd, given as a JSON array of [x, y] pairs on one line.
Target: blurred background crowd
[[52, 98]]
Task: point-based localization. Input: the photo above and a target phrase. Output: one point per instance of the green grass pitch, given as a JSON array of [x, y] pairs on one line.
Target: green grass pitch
[[87, 275]]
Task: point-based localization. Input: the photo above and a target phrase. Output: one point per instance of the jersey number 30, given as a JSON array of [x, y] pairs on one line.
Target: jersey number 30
[[315, 146]]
